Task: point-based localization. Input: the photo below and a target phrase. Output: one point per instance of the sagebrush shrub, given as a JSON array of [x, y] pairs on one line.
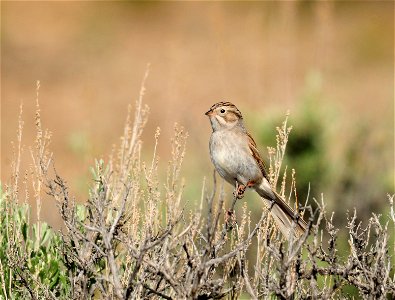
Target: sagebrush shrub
[[133, 240]]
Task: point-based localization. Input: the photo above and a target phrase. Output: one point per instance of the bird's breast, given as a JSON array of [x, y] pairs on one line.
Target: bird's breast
[[231, 157]]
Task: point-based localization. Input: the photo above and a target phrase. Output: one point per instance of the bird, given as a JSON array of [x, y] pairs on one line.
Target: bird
[[236, 158]]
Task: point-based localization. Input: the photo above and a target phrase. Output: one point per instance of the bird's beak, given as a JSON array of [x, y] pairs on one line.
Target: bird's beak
[[209, 113]]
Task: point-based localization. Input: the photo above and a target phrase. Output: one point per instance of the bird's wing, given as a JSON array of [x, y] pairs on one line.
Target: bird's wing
[[283, 214], [257, 156]]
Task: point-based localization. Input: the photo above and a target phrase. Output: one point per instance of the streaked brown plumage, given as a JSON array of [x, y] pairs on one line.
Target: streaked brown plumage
[[236, 158]]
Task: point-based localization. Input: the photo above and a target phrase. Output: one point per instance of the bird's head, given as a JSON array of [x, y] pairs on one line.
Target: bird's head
[[224, 115]]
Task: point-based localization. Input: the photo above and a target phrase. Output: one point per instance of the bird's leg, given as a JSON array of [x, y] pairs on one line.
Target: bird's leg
[[239, 190], [250, 183]]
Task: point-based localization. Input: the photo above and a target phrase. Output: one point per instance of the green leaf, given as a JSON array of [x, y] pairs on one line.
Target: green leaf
[[25, 229]]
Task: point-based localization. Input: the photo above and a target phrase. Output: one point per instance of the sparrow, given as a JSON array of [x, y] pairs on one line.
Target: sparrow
[[236, 158]]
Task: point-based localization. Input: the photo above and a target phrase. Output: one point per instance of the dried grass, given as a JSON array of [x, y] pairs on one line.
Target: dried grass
[[133, 239]]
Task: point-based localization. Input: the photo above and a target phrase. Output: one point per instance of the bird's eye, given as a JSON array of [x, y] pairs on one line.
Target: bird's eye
[[222, 111]]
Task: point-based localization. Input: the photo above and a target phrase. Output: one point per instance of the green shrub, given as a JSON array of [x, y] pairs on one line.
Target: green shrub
[[31, 258]]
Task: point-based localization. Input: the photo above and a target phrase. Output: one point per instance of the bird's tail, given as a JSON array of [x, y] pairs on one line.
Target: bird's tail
[[285, 217]]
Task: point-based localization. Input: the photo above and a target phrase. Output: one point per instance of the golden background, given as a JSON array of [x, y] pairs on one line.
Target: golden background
[[333, 58]]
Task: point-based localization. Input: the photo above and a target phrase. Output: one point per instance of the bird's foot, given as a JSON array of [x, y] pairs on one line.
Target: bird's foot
[[250, 183], [239, 191]]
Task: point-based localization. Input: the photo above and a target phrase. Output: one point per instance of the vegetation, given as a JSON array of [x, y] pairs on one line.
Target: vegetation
[[333, 157], [133, 240]]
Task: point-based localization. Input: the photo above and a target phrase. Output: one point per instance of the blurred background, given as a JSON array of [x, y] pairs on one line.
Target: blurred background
[[331, 64]]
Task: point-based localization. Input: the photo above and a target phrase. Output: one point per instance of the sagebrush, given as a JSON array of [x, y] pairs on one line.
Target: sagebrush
[[134, 239]]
